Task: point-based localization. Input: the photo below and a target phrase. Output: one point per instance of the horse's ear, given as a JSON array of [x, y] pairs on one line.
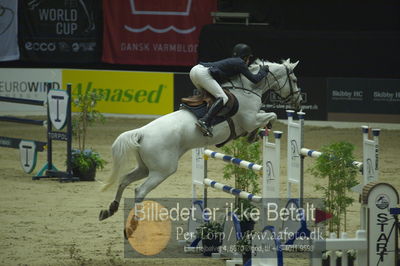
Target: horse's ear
[[293, 65]]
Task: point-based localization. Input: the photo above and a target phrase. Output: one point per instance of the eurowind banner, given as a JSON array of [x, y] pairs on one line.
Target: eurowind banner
[[154, 32], [61, 31]]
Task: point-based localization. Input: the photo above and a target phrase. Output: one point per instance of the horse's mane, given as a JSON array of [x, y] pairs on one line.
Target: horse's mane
[[260, 61], [255, 66]]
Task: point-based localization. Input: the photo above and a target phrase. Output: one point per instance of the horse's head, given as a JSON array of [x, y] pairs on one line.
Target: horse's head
[[282, 81]]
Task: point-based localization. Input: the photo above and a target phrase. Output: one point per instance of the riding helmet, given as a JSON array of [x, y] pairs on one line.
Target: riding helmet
[[241, 50]]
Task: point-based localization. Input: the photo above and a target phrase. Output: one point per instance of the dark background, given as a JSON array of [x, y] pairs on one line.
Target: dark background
[[329, 37]]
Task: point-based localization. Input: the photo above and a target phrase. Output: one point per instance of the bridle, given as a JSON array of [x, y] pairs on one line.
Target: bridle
[[285, 100]]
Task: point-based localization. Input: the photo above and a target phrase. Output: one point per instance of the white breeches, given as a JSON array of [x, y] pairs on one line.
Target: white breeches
[[202, 79]]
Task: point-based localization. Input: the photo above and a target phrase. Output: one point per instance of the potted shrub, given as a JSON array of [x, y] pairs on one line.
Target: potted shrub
[[211, 236], [336, 165], [84, 164], [85, 161], [243, 246], [246, 223]]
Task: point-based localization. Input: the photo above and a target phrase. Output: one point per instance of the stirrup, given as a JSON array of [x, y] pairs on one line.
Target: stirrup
[[204, 128]]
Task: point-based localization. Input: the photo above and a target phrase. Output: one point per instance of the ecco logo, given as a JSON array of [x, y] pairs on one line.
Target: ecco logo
[[40, 46]]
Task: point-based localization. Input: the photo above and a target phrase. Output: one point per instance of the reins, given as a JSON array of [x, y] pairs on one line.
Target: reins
[[284, 100]]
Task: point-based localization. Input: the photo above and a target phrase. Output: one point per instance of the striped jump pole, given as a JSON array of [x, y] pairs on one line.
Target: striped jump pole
[[227, 158], [231, 190], [316, 154]]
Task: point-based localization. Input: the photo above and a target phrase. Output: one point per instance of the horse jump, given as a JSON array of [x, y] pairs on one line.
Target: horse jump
[[29, 148], [369, 167], [270, 185], [296, 153]]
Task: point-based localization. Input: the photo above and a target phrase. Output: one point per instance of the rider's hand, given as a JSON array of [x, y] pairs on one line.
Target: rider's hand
[[265, 68]]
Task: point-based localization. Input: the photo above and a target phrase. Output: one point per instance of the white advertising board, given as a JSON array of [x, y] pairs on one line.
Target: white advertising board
[[26, 83]]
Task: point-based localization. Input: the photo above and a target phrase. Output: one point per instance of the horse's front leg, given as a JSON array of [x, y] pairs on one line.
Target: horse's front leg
[[257, 120], [263, 119]]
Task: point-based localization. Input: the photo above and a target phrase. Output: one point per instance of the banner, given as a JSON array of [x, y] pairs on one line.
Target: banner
[[26, 83], [61, 31], [313, 92], [154, 32], [9, 49], [356, 95], [124, 92]]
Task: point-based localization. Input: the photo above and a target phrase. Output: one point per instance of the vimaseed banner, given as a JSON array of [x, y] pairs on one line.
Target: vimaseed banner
[[125, 92]]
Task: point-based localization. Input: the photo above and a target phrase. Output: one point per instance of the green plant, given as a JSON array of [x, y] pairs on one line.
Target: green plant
[[86, 116], [336, 164], [211, 235], [85, 161], [244, 179], [243, 245], [245, 210], [210, 230]]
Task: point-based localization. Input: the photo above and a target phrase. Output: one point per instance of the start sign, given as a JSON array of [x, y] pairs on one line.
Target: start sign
[[379, 199]]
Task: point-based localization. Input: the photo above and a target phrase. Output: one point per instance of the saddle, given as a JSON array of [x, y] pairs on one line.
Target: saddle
[[200, 103]]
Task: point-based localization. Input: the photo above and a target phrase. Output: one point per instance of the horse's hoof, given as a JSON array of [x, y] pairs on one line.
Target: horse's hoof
[[103, 215], [128, 232], [125, 235], [253, 137]]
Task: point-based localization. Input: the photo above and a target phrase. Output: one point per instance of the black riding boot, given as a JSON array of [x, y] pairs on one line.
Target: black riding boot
[[204, 122]]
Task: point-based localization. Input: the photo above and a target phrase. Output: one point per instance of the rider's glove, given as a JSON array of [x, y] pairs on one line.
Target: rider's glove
[[265, 68]]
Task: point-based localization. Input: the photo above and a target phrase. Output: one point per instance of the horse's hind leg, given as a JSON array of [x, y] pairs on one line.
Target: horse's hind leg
[[153, 180], [137, 174]]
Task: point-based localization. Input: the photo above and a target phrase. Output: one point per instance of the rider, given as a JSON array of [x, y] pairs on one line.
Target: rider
[[210, 75]]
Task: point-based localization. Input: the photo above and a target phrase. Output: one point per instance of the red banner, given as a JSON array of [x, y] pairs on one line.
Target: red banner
[[154, 32]]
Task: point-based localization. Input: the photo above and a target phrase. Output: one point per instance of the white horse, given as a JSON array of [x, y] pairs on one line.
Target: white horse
[[158, 145]]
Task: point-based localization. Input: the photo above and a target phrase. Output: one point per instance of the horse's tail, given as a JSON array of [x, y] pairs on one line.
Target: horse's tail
[[123, 149]]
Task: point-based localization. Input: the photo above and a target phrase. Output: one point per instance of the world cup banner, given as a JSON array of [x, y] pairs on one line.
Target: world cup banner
[[60, 31], [154, 32]]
